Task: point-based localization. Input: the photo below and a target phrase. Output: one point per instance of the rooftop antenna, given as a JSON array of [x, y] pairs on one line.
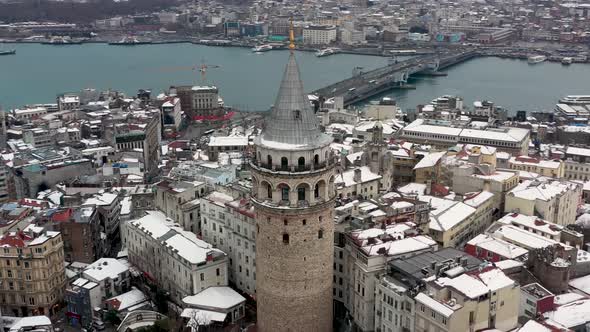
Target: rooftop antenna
[[291, 36]]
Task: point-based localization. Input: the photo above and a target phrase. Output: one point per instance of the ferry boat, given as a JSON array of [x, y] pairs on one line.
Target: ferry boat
[[567, 61], [130, 41], [536, 59], [262, 48], [59, 40], [8, 52], [326, 52], [575, 100]]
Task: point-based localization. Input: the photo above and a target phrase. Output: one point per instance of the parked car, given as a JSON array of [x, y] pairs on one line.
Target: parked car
[[98, 325]]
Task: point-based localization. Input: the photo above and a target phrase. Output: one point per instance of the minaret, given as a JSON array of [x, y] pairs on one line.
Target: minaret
[[293, 193]]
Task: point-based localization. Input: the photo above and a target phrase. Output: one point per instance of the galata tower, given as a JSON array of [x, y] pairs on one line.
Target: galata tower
[[293, 193]]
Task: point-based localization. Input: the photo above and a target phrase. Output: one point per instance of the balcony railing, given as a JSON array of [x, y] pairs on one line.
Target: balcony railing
[[294, 168]]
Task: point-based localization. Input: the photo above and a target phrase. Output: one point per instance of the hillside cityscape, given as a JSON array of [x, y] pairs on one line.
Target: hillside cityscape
[[335, 209]]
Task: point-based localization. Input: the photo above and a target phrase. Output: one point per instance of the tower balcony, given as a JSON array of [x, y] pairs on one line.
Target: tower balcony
[[288, 169]]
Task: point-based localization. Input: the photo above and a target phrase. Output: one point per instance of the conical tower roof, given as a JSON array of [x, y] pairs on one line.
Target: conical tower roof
[[292, 124]]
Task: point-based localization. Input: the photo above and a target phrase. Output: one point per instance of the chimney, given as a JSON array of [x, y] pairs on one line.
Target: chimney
[[357, 175]]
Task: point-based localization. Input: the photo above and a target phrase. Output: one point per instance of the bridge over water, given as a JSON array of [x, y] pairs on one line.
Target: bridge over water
[[368, 84]]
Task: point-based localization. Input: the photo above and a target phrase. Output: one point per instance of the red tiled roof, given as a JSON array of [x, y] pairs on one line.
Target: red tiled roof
[[62, 216], [14, 239]]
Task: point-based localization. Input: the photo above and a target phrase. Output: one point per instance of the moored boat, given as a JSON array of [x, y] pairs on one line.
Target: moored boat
[[536, 59]]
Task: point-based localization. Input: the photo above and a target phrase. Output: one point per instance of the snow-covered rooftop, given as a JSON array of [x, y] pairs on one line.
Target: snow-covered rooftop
[[498, 246], [228, 141], [572, 314], [435, 305], [532, 222], [216, 297], [532, 190], [430, 160], [477, 284], [105, 268], [128, 300], [347, 178], [582, 284]]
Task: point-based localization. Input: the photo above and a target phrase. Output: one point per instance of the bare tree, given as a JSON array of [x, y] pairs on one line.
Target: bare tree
[[199, 320]]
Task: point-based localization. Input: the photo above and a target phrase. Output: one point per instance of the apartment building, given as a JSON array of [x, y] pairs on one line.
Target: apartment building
[[80, 229], [140, 133], [487, 247], [225, 144], [472, 178], [549, 168], [171, 113], [67, 102], [32, 272], [453, 223], [229, 224], [38, 137], [368, 252], [535, 300], [577, 165], [319, 34], [180, 201], [395, 306], [173, 258], [108, 207], [471, 301], [111, 275], [554, 201], [428, 168], [359, 181]]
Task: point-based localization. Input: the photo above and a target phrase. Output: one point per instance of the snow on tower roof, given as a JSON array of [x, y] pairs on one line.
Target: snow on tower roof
[[292, 124]]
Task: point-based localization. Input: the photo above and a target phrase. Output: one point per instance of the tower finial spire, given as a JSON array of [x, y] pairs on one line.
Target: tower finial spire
[[291, 36]]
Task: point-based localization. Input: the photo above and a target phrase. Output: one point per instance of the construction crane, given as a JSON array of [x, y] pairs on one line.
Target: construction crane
[[202, 69]]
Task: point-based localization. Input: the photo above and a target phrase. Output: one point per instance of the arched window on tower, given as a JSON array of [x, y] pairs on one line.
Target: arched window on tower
[[301, 163], [268, 191], [301, 193], [269, 161], [285, 238], [284, 193], [316, 160], [284, 163], [320, 234], [316, 191]]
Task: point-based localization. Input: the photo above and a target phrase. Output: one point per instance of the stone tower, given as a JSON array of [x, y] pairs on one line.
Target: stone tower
[[293, 193]]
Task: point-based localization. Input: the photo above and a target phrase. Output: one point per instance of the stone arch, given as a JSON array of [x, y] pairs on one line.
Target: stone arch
[[284, 192], [265, 190], [331, 185], [319, 190], [255, 186], [284, 163], [303, 192]]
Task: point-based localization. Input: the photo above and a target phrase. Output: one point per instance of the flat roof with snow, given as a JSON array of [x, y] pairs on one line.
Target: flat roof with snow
[[218, 297]]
